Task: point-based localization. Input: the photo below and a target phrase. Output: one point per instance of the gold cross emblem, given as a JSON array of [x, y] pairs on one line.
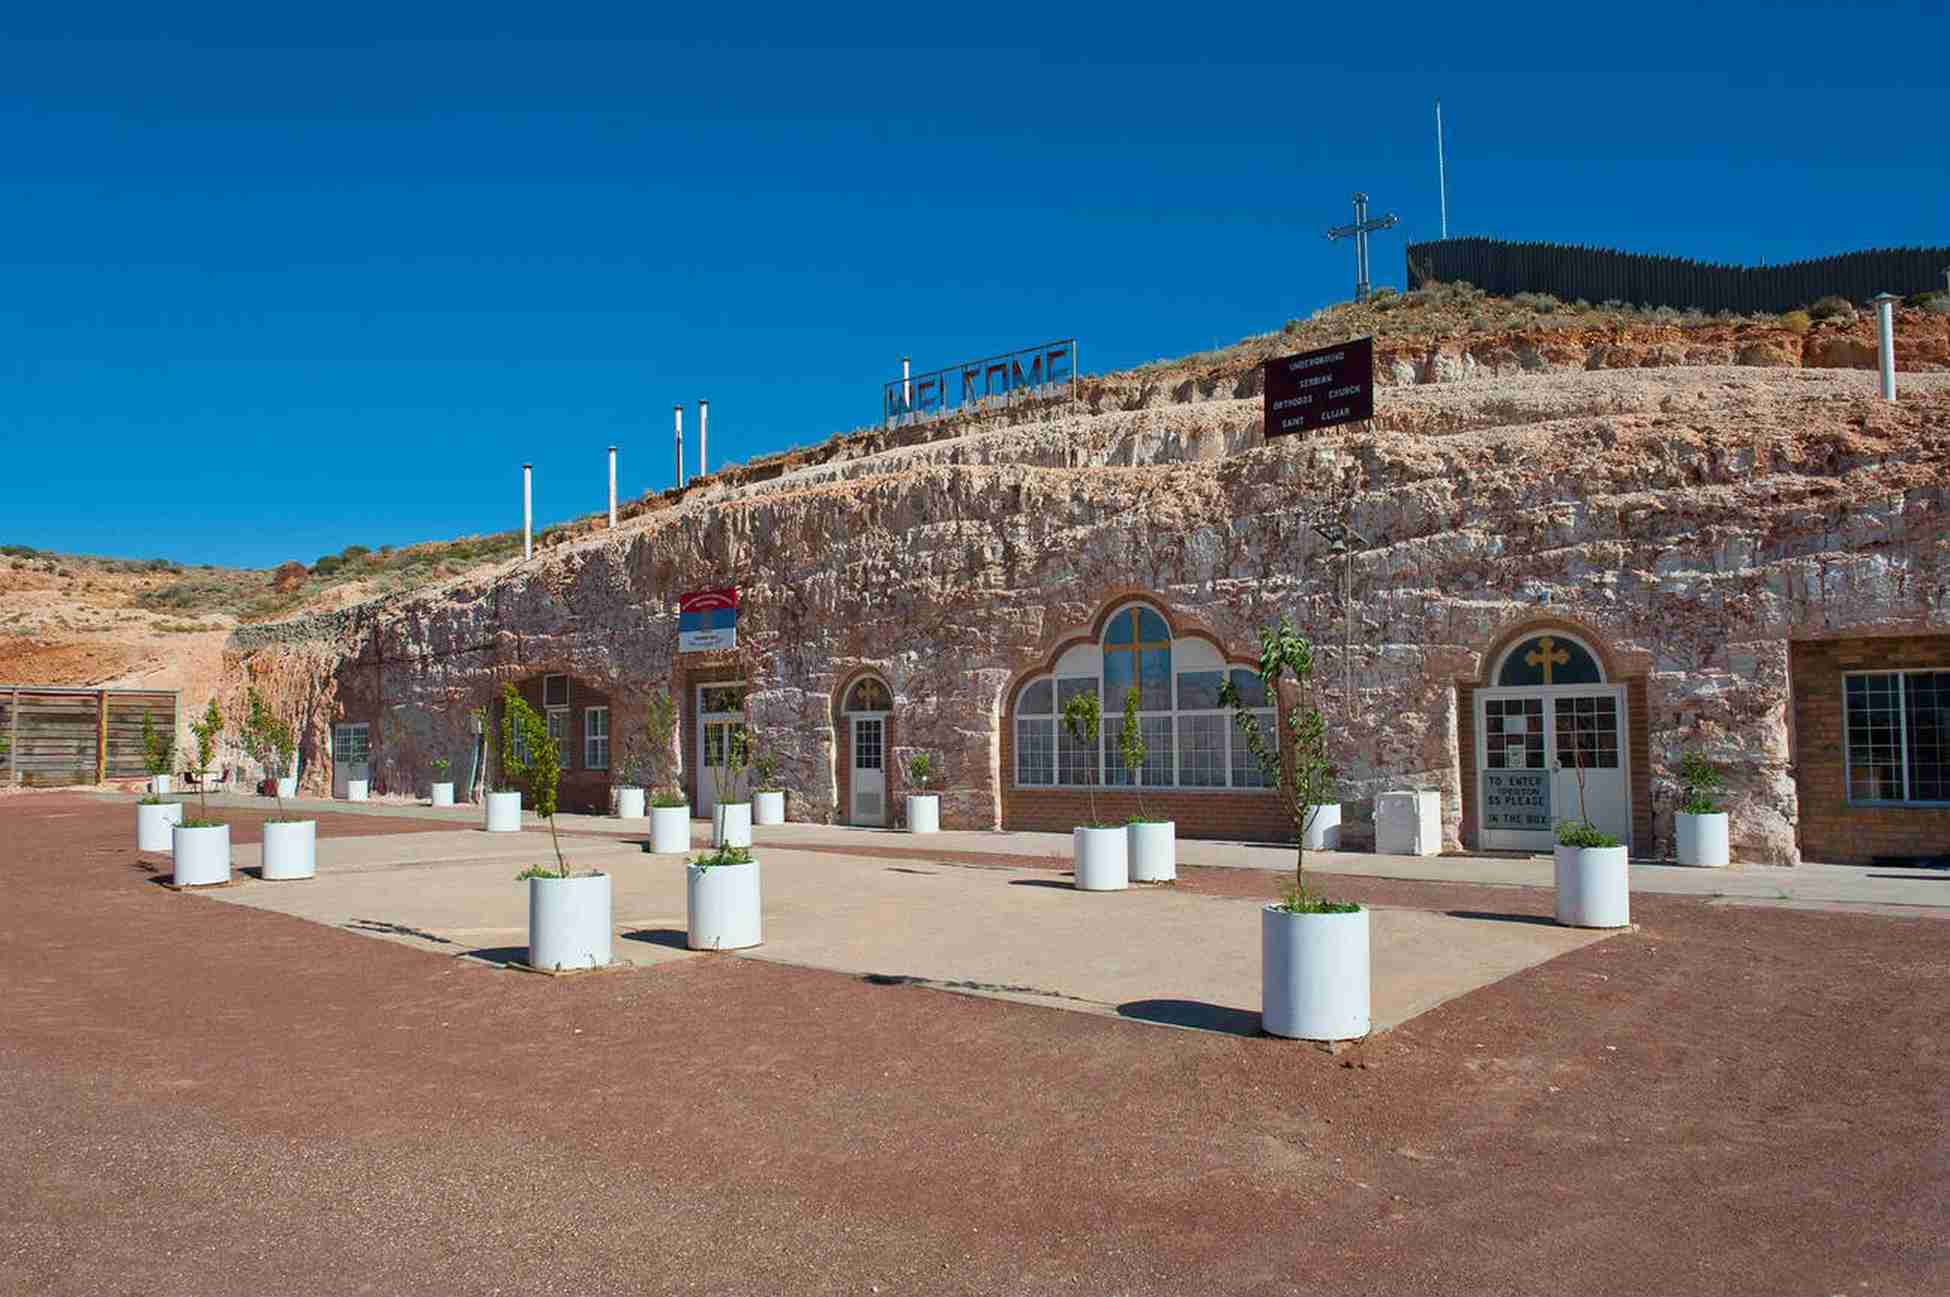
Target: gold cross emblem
[[1546, 655]]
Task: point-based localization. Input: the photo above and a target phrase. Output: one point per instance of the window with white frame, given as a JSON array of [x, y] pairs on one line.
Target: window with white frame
[[558, 729], [1898, 735], [1190, 739], [595, 738]]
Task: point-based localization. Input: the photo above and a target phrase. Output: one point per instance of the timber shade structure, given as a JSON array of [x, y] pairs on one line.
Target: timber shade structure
[[62, 735]]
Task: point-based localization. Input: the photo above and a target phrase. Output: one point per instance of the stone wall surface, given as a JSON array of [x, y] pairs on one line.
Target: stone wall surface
[[1693, 520]]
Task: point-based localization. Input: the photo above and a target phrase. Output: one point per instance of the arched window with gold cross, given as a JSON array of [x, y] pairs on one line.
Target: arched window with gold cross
[[1549, 660], [1137, 651]]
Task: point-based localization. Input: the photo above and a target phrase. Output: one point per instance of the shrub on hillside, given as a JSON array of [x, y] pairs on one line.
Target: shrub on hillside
[[1831, 308], [1542, 303], [1796, 321], [327, 564], [288, 577], [352, 553]]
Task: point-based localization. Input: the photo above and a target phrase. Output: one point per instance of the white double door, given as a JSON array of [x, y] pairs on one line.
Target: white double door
[[716, 724], [1549, 754], [351, 755], [867, 786]]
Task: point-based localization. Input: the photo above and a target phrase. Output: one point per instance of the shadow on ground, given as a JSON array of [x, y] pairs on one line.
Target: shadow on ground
[[1493, 916], [672, 938], [1196, 1014]]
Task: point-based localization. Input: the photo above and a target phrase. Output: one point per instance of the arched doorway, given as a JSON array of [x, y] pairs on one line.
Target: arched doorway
[[867, 713], [1551, 745]]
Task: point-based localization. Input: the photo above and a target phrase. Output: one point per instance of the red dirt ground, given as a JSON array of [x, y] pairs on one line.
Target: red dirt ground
[[202, 1097]]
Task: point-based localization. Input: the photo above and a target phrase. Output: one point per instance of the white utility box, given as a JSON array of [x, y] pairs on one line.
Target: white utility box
[[1408, 823]]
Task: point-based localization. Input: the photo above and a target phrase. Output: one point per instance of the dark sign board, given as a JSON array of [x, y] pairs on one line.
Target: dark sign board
[[1319, 389]]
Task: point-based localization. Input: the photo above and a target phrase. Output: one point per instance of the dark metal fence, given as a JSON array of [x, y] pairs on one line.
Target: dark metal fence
[[1605, 275]]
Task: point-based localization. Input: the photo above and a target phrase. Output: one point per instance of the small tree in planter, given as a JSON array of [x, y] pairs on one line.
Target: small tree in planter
[[768, 794], [202, 845], [1099, 852], [1153, 845], [731, 814], [1700, 827], [670, 809], [508, 770], [441, 792], [158, 755], [723, 900], [290, 843], [1314, 952], [923, 805], [568, 914], [1592, 888]]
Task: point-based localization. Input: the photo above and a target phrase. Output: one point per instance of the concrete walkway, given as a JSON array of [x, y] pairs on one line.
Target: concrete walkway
[[1851, 888], [1151, 954]]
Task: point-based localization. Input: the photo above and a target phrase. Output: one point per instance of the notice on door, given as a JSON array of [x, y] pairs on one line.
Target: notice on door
[[1517, 799]]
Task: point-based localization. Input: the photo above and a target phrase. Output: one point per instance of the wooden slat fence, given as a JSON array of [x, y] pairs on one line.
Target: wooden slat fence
[[78, 736], [1607, 275]]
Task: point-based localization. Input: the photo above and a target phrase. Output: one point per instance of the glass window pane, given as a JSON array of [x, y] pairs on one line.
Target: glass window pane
[[1875, 770], [1198, 690], [1158, 732], [1151, 627], [1246, 772], [1927, 717], [1036, 752], [1201, 751], [1154, 679], [1069, 687], [1039, 699], [1121, 629], [1252, 691], [1117, 678], [1076, 762]]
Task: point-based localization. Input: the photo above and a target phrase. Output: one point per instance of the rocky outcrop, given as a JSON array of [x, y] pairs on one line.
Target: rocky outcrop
[[1694, 519]]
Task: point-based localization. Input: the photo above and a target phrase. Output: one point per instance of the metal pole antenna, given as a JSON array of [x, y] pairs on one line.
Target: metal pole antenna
[[1441, 180]]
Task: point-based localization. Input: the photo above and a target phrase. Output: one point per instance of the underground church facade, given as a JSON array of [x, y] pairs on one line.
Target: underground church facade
[[1558, 586]]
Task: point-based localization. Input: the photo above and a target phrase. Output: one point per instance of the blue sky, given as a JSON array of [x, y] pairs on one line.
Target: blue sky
[[279, 280]]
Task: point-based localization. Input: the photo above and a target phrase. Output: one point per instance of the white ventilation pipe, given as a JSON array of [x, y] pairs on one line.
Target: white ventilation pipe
[[907, 388], [528, 511], [612, 488], [703, 438], [1885, 304], [677, 414]]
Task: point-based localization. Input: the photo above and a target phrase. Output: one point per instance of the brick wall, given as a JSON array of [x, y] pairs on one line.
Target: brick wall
[[582, 790], [1830, 829]]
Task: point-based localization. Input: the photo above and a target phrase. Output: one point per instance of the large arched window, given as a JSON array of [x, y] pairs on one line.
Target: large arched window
[[1190, 740]]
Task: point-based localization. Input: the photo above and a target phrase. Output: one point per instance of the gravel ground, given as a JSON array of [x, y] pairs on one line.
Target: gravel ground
[[208, 1098]]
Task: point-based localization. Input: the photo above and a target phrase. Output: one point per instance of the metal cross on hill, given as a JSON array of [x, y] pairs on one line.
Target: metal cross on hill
[[1359, 231]]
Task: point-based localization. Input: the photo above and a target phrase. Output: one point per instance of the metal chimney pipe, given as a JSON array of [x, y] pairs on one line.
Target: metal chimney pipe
[[678, 416], [703, 434], [1885, 304], [612, 488], [528, 511], [907, 388]]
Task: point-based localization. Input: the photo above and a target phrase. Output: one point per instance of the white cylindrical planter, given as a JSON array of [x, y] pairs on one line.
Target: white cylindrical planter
[[443, 793], [670, 830], [723, 901], [1324, 829], [161, 785], [768, 807], [153, 823], [504, 812], [1153, 850], [568, 922], [924, 813], [1592, 887], [288, 786], [1700, 839], [290, 850], [1102, 863], [1314, 974], [731, 824], [356, 790], [202, 855], [629, 803]]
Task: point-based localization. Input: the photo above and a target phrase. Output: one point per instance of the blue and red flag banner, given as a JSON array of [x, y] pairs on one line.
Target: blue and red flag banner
[[707, 621]]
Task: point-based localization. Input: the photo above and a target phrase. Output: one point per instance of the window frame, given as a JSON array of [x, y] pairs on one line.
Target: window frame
[[1108, 761], [562, 744], [1902, 740], [590, 738]]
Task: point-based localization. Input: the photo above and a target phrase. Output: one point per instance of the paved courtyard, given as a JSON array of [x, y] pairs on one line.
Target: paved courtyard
[[207, 1095]]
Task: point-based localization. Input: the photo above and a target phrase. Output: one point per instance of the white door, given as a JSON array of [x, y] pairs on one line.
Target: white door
[[868, 783], [1534, 745], [720, 714], [351, 755]]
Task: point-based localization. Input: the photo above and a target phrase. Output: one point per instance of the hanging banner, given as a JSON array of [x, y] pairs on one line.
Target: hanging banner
[[707, 621]]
